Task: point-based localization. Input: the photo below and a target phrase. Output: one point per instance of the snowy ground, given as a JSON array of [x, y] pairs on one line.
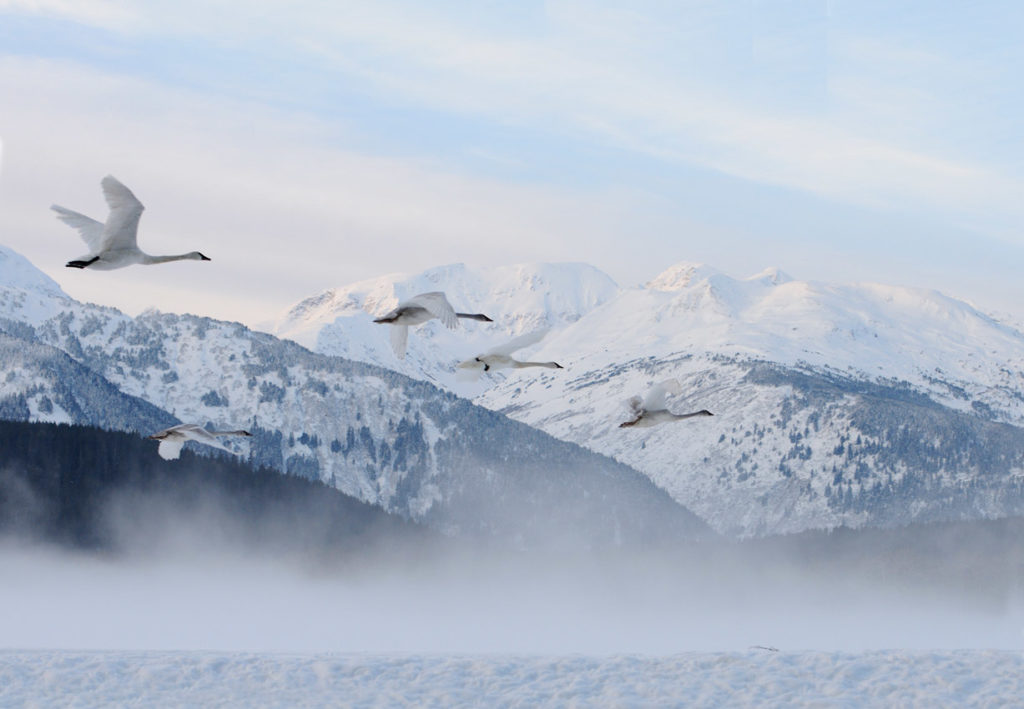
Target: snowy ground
[[480, 631], [752, 678]]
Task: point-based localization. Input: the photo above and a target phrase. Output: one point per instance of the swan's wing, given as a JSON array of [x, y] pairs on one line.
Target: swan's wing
[[518, 343], [197, 433], [214, 443], [399, 339], [170, 449], [89, 229], [125, 211], [437, 305], [635, 405], [655, 399], [193, 431], [164, 432]]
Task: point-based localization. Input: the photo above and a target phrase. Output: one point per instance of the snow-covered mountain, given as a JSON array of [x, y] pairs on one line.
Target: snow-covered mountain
[[520, 299], [835, 404], [372, 433]]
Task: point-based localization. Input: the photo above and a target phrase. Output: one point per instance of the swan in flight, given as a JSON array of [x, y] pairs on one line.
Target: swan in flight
[[418, 310], [501, 357], [113, 245], [172, 439], [652, 410]]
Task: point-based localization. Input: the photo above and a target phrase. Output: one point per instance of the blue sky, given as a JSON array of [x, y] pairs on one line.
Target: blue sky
[[309, 144]]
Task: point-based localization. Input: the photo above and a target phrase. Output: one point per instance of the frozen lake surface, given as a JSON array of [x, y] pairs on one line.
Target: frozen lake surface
[[750, 678]]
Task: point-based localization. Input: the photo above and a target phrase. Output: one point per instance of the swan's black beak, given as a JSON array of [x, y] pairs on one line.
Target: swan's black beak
[[204, 258], [558, 366]]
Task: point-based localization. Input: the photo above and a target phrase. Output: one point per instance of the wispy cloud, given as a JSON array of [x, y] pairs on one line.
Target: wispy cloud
[[259, 190], [614, 75], [99, 13], [691, 91]]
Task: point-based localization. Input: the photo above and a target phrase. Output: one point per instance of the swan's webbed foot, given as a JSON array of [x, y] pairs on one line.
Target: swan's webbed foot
[[82, 264]]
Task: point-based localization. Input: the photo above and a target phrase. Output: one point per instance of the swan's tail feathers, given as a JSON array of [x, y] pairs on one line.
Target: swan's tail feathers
[[399, 339], [82, 263], [230, 433], [474, 316]]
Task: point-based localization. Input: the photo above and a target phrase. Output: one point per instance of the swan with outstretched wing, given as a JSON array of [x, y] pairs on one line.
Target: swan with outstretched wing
[[114, 244], [173, 439], [418, 310], [501, 357], [652, 409]]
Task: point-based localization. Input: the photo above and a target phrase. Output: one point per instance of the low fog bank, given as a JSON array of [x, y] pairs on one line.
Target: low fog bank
[[105, 546], [202, 592]]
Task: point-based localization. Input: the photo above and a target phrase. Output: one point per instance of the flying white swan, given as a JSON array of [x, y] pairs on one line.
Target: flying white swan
[[501, 357], [418, 310], [113, 245], [172, 439], [652, 410]]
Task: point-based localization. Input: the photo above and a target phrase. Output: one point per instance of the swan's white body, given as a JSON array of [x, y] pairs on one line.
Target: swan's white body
[[418, 310], [501, 357], [652, 409], [173, 439], [113, 245]]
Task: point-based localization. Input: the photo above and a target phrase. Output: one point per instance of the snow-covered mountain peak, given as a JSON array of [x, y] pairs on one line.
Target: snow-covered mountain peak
[[17, 272], [26, 293], [519, 298], [681, 275], [771, 276]]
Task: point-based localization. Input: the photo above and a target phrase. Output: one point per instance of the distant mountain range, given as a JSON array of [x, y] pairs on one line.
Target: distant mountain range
[[853, 404], [372, 433]]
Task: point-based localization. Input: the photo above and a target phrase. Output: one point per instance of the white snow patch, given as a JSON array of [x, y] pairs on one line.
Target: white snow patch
[[749, 678]]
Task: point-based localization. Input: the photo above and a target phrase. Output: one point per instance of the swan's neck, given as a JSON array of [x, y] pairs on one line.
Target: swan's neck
[[474, 316], [703, 412], [549, 365], [149, 260]]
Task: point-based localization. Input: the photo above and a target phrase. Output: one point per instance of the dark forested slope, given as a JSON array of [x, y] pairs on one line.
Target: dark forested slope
[[87, 488]]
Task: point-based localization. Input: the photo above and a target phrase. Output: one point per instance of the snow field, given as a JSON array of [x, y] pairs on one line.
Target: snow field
[[750, 678]]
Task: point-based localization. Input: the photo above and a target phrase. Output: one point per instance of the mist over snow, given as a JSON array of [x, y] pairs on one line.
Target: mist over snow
[[469, 601]]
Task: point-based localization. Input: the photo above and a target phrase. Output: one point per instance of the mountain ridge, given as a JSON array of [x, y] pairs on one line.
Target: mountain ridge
[[751, 348], [368, 431]]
